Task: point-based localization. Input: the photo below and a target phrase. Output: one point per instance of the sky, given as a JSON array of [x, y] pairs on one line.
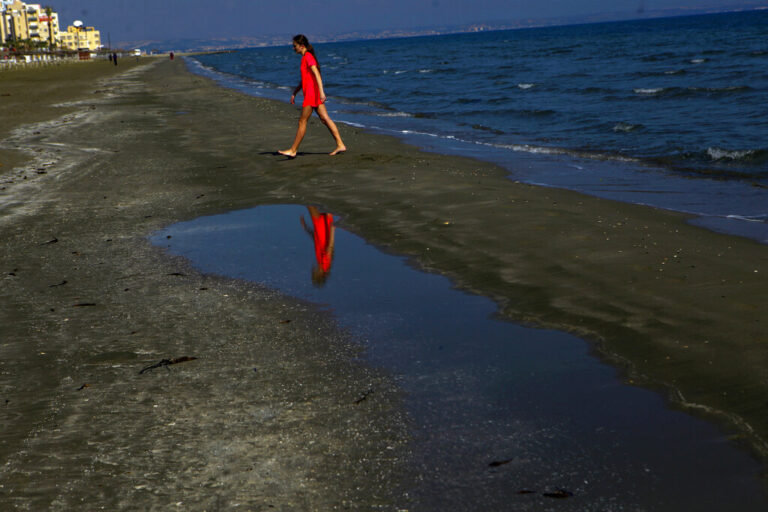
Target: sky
[[131, 20]]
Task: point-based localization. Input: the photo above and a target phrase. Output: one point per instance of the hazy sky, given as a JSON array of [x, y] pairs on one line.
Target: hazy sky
[[125, 20]]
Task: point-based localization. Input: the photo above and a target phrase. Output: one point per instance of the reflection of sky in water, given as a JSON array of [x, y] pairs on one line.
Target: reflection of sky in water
[[483, 390]]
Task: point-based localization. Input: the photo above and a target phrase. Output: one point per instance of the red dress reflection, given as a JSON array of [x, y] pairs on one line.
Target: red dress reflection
[[323, 236]]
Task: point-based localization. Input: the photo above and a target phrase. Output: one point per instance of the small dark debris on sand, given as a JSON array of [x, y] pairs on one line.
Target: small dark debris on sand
[[560, 494], [167, 363], [364, 396]]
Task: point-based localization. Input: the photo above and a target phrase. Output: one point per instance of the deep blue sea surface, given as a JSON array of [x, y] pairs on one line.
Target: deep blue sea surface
[[667, 112]]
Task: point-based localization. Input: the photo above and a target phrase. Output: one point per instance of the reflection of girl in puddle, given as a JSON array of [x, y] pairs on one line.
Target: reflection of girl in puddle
[[323, 236]]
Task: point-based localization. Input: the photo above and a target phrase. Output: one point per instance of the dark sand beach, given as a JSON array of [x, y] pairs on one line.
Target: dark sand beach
[[269, 412]]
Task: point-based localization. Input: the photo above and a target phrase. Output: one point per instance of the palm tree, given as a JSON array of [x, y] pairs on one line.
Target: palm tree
[[48, 14]]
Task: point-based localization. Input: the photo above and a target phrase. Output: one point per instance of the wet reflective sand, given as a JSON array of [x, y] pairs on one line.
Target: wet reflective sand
[[502, 414]]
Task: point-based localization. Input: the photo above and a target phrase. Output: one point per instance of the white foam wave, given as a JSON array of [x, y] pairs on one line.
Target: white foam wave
[[649, 91], [526, 86], [394, 114], [698, 61], [757, 218], [731, 88], [435, 135], [544, 150], [625, 127], [726, 154], [426, 71]]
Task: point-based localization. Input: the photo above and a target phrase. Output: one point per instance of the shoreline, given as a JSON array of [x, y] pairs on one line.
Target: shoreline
[[173, 146], [614, 329], [720, 204]]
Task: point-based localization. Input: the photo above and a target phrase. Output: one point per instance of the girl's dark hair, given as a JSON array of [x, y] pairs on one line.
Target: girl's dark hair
[[303, 41]]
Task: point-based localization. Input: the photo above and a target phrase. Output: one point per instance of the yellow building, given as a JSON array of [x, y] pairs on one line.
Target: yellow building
[[49, 27], [3, 25], [80, 38], [17, 21], [20, 21], [31, 22]]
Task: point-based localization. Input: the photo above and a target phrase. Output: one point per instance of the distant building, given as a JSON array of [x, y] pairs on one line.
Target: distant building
[[80, 38], [28, 22], [3, 24], [32, 23], [17, 21], [49, 26]]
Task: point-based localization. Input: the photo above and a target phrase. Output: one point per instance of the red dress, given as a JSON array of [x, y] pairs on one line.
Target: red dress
[[308, 83], [322, 237]]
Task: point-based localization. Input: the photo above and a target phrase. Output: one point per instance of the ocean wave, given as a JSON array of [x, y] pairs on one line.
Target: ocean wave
[[719, 154], [594, 90], [355, 100], [701, 164], [749, 218], [721, 90], [659, 56], [234, 80], [626, 127], [651, 91], [524, 148], [690, 91], [698, 61], [656, 73], [525, 86], [509, 112], [467, 101], [536, 112], [574, 153], [489, 129], [393, 114]]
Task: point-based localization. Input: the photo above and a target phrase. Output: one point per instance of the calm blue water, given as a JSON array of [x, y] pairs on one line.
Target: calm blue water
[[479, 390], [670, 112]]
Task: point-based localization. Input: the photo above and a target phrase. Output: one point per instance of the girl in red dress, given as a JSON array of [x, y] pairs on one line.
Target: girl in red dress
[[314, 97]]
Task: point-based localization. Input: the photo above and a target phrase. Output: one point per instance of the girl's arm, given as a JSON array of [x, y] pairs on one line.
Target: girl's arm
[[304, 225], [295, 92], [319, 80]]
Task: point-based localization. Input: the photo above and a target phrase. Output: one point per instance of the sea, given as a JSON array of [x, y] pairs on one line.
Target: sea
[[671, 113], [667, 112]]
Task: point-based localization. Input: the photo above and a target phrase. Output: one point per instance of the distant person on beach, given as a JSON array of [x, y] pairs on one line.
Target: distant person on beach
[[110, 58], [314, 97], [323, 235], [114, 58]]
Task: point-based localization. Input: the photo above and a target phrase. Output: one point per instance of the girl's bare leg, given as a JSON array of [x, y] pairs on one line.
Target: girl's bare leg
[[300, 132], [322, 113]]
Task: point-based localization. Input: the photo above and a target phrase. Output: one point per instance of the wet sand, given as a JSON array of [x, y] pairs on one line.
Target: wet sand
[[267, 414]]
